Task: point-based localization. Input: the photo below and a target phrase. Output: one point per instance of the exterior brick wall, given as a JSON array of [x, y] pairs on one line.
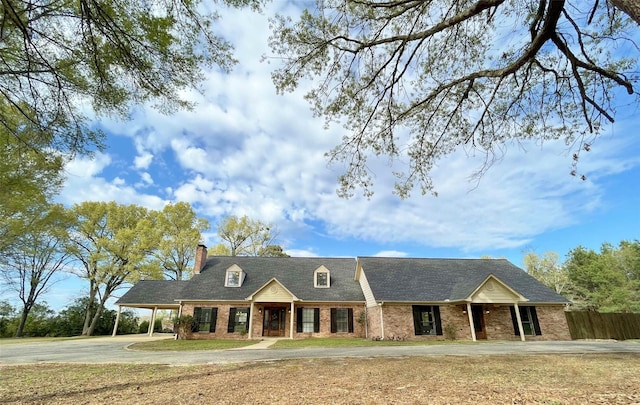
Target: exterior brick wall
[[374, 328], [222, 321], [325, 321], [397, 320], [553, 323]]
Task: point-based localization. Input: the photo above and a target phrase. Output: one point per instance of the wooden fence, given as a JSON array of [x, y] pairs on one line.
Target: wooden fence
[[596, 325]]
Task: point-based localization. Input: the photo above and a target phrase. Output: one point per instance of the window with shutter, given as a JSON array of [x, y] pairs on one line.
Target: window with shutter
[[204, 319], [238, 320], [341, 320], [426, 320], [529, 318]]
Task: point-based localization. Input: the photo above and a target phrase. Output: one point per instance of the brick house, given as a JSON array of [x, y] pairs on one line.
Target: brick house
[[372, 297]]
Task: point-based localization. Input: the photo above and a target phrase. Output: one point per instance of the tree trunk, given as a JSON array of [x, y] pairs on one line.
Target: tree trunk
[[96, 316], [87, 314], [25, 314], [629, 7], [23, 321]]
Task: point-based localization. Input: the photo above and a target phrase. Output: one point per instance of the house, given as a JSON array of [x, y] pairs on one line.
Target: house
[[372, 297]]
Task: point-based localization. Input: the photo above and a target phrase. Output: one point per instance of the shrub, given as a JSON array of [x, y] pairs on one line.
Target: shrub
[[449, 332], [183, 326]]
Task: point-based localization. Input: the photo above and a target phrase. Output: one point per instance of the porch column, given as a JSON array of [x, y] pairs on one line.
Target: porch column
[[520, 328], [381, 322], [471, 324], [291, 312], [153, 321], [115, 327], [250, 331]]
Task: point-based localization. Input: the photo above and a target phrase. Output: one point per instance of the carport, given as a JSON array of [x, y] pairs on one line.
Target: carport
[[153, 295]]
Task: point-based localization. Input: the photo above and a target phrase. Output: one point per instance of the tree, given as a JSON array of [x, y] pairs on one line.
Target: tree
[[114, 244], [417, 80], [59, 57], [70, 320], [272, 251], [7, 313], [608, 280], [243, 237], [180, 230], [548, 270], [29, 178], [36, 255]]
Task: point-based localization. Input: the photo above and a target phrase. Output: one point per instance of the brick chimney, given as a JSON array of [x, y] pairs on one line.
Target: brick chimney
[[201, 258]]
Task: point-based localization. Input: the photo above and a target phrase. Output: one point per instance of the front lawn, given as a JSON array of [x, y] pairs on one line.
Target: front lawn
[[512, 379], [190, 345], [355, 342], [9, 341]]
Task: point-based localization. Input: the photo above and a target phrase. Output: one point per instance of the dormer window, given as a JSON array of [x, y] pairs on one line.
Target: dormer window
[[322, 278], [234, 276]]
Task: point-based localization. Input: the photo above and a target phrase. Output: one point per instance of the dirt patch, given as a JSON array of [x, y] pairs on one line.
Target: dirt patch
[[559, 379]]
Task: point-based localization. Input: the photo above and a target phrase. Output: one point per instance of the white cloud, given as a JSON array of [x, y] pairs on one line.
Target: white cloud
[[143, 161], [247, 151], [390, 253], [146, 178], [84, 183]]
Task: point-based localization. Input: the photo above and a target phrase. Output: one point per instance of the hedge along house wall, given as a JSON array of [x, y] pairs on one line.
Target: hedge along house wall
[[595, 325]]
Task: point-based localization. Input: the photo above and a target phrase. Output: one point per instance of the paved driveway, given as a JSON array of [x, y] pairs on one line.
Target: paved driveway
[[114, 350]]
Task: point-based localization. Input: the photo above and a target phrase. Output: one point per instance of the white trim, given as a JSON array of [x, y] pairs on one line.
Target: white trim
[[291, 320], [321, 269], [153, 321], [250, 327], [381, 321], [115, 327], [517, 296], [234, 269], [471, 323], [520, 328]]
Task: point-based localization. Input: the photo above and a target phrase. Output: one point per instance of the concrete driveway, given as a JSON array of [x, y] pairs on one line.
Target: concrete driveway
[[115, 350]]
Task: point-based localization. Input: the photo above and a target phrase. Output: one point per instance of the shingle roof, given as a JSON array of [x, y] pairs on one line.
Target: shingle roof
[[159, 292], [432, 280], [294, 273]]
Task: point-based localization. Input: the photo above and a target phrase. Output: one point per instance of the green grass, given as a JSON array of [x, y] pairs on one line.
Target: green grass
[[190, 345], [355, 342], [9, 341]]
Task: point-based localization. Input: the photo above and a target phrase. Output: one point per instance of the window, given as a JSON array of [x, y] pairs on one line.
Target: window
[[308, 320], [529, 318], [238, 320], [426, 320], [204, 319], [233, 278], [341, 320], [322, 278]]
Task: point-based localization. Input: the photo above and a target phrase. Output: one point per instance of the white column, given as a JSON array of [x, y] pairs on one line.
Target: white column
[[115, 327], [153, 321], [381, 322], [250, 331], [291, 321], [471, 324], [520, 328]]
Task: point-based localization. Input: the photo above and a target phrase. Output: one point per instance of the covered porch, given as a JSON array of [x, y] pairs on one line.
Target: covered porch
[[272, 311]]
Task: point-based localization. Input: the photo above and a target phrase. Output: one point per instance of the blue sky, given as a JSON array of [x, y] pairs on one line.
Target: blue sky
[[244, 150]]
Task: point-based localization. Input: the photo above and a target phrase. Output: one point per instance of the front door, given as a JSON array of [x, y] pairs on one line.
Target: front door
[[478, 321], [274, 321]]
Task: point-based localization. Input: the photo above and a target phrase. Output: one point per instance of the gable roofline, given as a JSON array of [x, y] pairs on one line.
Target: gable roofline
[[293, 296], [502, 283]]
